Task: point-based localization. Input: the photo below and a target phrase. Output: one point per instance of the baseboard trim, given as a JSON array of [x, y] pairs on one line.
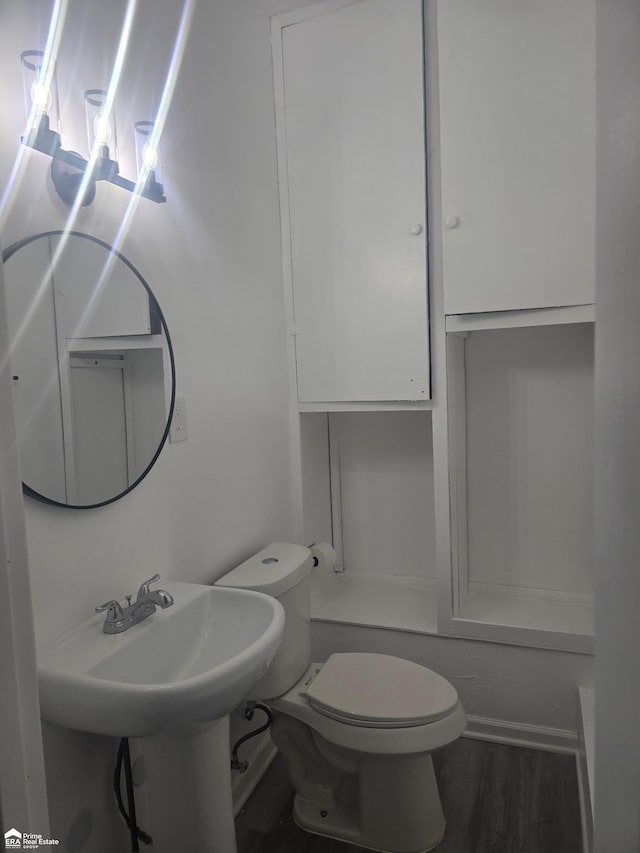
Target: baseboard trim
[[522, 734], [586, 764], [244, 784], [584, 797]]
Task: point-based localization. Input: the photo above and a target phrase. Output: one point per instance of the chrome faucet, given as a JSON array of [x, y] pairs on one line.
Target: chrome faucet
[[119, 618]]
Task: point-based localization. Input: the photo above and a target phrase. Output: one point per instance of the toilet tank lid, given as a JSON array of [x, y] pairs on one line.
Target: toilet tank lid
[[274, 570]]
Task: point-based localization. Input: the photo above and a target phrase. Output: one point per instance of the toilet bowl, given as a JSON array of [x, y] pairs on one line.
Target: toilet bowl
[[357, 732]]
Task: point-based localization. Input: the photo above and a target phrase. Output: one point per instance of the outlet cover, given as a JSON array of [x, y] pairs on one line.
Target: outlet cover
[[178, 431]]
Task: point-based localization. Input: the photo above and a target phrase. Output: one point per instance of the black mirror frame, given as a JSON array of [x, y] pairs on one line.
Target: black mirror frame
[[6, 255]]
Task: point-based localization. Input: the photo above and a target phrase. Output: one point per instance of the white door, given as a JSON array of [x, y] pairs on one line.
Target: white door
[[98, 429], [37, 394], [353, 126], [517, 123]]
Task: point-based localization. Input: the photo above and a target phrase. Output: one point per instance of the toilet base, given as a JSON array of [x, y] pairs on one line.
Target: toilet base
[[304, 816], [382, 802]]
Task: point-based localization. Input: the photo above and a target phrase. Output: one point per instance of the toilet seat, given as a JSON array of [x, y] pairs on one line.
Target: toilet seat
[[380, 691], [358, 736]]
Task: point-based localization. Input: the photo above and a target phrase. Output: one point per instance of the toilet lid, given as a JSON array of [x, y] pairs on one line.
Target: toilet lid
[[380, 691]]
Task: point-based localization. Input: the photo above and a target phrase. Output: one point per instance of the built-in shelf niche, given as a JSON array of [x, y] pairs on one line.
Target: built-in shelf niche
[[520, 413], [368, 488]]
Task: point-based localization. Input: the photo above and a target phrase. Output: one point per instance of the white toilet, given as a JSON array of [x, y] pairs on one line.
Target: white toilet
[[357, 732]]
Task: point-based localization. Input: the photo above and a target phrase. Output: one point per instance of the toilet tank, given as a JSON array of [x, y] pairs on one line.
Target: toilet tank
[[282, 570]]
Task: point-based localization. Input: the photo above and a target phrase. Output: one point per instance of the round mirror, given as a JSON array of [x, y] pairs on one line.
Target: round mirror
[[93, 369]]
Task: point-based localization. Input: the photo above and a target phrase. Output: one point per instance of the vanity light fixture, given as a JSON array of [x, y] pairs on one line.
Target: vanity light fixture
[[68, 168]]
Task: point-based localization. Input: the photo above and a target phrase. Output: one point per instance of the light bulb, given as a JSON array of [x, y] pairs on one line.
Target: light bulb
[[102, 135], [102, 129], [40, 96], [149, 156]]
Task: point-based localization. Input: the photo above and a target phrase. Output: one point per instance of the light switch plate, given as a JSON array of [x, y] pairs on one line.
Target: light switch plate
[[178, 431]]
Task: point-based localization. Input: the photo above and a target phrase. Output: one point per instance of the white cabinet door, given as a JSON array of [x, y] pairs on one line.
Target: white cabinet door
[[353, 126], [517, 121], [37, 392], [96, 294]]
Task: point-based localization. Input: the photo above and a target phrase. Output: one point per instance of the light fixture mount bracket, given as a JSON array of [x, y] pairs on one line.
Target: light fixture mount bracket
[[67, 180]]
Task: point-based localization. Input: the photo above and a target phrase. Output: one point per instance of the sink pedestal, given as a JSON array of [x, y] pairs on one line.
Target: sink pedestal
[[189, 789]]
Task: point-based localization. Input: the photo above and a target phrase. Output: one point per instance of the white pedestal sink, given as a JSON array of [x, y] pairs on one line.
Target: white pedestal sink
[[171, 679]]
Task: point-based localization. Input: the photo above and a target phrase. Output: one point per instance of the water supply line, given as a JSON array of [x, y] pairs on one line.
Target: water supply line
[[249, 710], [137, 834]]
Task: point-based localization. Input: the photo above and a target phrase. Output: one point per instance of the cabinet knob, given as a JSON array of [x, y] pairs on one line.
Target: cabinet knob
[[415, 230], [452, 222]]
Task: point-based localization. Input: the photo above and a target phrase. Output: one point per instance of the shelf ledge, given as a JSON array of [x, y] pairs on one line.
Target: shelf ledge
[[385, 602], [366, 406], [460, 323]]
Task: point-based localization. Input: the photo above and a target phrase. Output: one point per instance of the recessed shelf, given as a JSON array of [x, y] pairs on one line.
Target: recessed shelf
[[519, 611], [366, 406], [406, 604], [520, 450], [460, 323], [128, 342], [368, 488], [381, 602]]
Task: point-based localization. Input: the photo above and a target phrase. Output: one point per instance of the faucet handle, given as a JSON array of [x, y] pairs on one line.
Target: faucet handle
[[114, 610], [144, 588]]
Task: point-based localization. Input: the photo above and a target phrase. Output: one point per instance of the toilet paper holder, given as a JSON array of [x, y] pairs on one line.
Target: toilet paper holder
[[324, 556]]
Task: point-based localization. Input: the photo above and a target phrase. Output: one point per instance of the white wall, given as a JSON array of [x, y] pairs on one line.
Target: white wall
[[315, 479], [386, 493], [23, 800], [617, 451], [212, 257]]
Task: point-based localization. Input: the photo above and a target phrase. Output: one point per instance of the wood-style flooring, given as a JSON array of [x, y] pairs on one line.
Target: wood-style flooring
[[496, 799]]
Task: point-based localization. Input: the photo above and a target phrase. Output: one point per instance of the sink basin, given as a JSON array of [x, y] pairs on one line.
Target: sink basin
[[193, 662]]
